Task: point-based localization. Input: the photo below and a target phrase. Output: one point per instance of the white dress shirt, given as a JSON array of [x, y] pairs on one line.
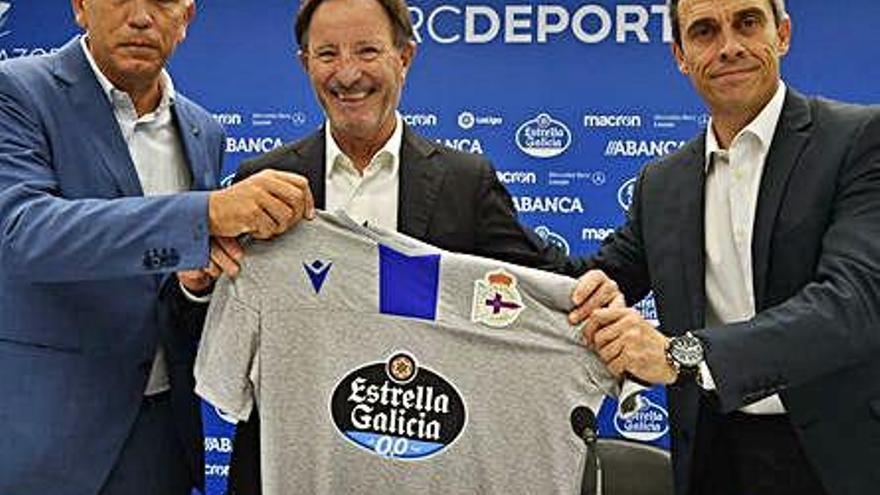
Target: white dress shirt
[[371, 197], [159, 160], [733, 178]]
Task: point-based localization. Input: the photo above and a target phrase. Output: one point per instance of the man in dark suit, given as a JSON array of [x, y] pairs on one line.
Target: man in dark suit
[[367, 162], [761, 241], [105, 174]]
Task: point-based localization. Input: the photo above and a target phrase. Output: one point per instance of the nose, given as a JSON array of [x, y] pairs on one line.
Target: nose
[[732, 47], [348, 72], [141, 15]]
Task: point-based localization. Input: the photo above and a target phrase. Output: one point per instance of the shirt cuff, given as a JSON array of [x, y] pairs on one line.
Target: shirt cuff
[[705, 380], [192, 297]]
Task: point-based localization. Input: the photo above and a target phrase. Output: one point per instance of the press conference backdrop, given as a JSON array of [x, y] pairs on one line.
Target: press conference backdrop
[[568, 98]]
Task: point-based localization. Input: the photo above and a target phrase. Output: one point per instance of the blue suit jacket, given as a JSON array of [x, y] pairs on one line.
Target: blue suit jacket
[[84, 261]]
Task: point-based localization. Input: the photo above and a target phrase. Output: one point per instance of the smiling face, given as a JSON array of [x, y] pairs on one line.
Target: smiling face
[[731, 49], [131, 39], [355, 68]]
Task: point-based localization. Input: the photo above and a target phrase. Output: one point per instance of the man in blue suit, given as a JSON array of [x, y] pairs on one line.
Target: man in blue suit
[[105, 173]]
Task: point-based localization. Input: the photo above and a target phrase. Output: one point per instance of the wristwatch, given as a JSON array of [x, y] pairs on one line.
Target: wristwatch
[[685, 353]]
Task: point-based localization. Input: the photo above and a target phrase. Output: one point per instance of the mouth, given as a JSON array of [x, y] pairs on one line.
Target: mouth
[[139, 46], [735, 73]]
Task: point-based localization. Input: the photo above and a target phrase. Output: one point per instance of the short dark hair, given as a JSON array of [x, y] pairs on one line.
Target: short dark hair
[[397, 10], [777, 6]]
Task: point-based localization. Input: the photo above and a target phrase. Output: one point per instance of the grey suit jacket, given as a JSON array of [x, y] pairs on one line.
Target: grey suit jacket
[[816, 265]]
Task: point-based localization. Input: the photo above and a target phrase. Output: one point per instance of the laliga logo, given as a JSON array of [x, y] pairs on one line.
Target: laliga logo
[[543, 137], [646, 423], [553, 239], [5, 8], [466, 120], [625, 193]]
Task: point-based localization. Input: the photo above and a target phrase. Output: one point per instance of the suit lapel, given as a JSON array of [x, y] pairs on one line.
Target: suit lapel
[[311, 164], [91, 105], [192, 134], [420, 181], [690, 195], [788, 142]]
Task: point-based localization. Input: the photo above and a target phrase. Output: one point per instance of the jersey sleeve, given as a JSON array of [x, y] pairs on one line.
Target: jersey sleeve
[[227, 364]]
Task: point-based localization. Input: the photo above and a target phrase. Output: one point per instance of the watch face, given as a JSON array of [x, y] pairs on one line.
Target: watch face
[[686, 350]]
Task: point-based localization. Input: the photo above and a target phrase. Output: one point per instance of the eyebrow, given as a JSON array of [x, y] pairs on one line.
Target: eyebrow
[[738, 15]]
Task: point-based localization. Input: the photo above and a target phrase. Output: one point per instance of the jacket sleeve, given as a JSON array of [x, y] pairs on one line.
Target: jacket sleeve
[[47, 237]]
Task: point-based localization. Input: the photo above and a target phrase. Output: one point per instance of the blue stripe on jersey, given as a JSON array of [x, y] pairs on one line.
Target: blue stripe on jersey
[[408, 284]]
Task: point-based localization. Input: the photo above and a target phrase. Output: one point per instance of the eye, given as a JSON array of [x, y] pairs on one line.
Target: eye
[[701, 31], [750, 22], [369, 53], [325, 55]]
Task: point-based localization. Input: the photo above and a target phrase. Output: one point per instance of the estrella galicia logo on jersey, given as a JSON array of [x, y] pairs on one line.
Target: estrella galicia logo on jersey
[[553, 239], [5, 10], [543, 137], [317, 272], [497, 302], [644, 420], [397, 409], [626, 192]]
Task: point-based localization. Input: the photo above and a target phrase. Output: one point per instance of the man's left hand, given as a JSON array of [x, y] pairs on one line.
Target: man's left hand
[[225, 255], [626, 342]]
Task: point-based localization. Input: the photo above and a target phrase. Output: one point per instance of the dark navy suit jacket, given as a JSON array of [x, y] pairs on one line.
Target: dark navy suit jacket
[[85, 260], [816, 266]]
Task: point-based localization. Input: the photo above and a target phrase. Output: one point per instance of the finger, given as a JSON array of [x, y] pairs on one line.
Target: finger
[[617, 366], [231, 246], [596, 321], [607, 334], [610, 351], [586, 285], [618, 302], [292, 189], [283, 214], [223, 262], [212, 270]]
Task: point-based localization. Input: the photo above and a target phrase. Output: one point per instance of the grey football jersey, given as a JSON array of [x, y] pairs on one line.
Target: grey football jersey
[[381, 364]]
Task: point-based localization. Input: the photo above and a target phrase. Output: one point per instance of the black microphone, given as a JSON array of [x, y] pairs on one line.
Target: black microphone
[[583, 422]]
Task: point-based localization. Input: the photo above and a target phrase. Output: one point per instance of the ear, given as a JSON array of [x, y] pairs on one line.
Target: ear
[[188, 17], [303, 59], [407, 54], [678, 53], [783, 33], [79, 13]]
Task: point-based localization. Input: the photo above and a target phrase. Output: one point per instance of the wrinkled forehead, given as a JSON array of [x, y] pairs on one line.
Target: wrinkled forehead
[[690, 11]]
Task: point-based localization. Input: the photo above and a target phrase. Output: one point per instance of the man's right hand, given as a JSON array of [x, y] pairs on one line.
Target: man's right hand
[[264, 205]]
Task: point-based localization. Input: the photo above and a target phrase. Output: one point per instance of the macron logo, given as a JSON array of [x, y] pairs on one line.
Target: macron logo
[[317, 272]]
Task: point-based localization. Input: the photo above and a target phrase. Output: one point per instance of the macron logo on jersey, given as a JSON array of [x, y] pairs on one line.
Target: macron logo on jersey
[[317, 272]]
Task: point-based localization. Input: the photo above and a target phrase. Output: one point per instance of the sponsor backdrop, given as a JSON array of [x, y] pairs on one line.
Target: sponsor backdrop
[[568, 98]]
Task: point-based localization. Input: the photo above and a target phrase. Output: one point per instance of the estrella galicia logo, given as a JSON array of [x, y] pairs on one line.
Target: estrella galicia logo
[[626, 192], [553, 239], [5, 10], [543, 137], [644, 421], [317, 272], [466, 120], [397, 409]]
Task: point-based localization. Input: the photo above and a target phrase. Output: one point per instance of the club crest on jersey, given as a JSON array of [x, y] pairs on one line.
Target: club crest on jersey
[[497, 302], [317, 272], [397, 409]]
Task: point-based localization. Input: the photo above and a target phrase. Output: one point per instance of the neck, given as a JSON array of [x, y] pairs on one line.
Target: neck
[[727, 122], [361, 149], [144, 96]]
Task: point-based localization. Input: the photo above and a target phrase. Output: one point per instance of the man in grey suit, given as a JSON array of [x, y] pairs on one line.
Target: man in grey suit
[[367, 162], [761, 241]]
